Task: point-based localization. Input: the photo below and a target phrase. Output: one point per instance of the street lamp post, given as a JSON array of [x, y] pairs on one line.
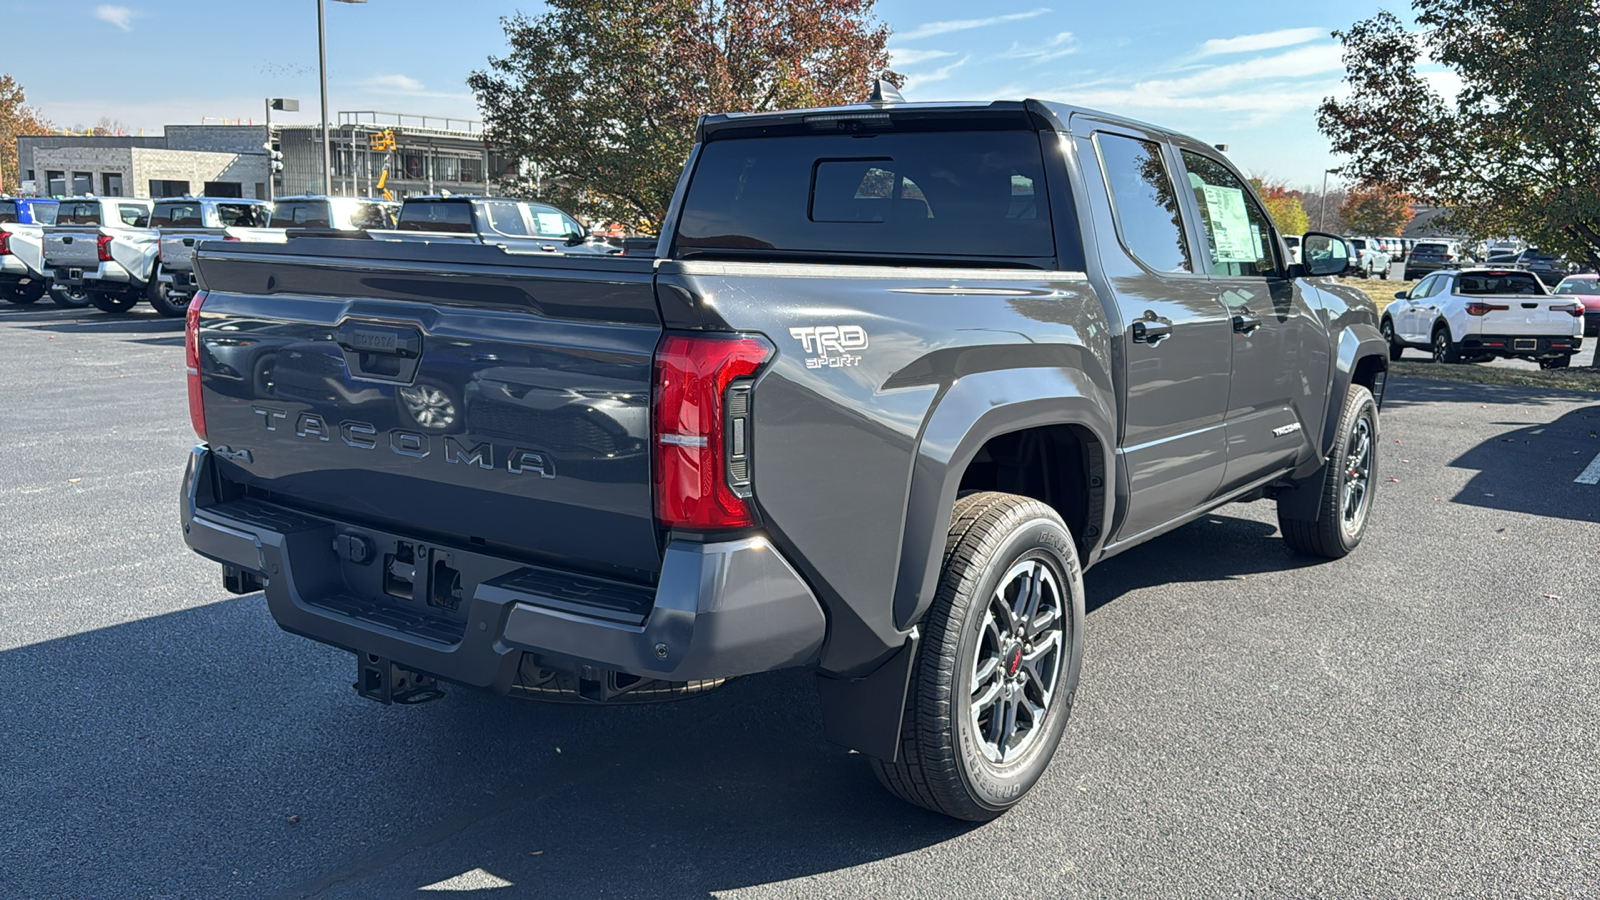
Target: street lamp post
[[322, 67], [1322, 208]]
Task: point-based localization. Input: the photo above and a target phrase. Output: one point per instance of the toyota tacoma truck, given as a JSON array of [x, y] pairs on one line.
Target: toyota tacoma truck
[[100, 250], [182, 223], [22, 224], [898, 374]]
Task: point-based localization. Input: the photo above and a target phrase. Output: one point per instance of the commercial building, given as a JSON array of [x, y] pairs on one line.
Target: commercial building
[[428, 154]]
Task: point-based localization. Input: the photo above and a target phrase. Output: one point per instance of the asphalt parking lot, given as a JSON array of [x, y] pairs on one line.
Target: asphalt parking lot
[[1420, 719]]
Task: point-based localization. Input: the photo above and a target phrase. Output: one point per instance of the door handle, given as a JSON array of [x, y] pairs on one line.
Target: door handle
[[1150, 331], [1244, 323]]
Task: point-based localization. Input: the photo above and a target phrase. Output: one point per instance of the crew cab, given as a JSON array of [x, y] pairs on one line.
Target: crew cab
[[22, 223], [183, 223], [102, 250], [1477, 314], [514, 224], [897, 375]]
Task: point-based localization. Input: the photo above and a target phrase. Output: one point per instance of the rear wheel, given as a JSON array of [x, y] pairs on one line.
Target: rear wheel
[[24, 294], [1347, 488], [993, 683], [1444, 349], [69, 296], [114, 303], [164, 301], [1560, 362], [1395, 347]]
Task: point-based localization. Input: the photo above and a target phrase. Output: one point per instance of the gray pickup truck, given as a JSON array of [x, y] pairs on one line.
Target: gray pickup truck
[[898, 375]]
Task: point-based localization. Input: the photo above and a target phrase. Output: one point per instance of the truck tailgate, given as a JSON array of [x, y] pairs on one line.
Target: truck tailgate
[[177, 246], [506, 403], [1524, 315], [71, 247]]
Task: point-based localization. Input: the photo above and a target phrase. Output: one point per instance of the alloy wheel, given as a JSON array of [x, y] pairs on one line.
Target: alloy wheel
[[1018, 661], [1356, 490]]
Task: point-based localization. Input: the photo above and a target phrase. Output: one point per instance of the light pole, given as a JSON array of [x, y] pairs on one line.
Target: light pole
[[274, 164], [322, 68], [1322, 208]]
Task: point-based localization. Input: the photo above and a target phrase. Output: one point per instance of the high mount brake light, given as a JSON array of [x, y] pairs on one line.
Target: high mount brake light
[[191, 362], [702, 429]]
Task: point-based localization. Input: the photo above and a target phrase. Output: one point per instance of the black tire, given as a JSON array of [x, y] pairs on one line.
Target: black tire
[[1384, 274], [114, 303], [160, 295], [24, 294], [69, 296], [997, 542], [1350, 475], [1560, 362], [1395, 347], [1444, 349]]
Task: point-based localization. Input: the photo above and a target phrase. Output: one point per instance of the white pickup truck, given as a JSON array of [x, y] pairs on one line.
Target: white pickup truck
[[185, 222], [1472, 315], [22, 276], [101, 249]]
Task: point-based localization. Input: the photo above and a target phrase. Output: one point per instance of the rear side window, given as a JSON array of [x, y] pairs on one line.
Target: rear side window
[[69, 213], [926, 194], [177, 215], [455, 217], [1146, 204], [300, 214], [137, 216], [242, 215], [371, 215], [1488, 283], [506, 218]]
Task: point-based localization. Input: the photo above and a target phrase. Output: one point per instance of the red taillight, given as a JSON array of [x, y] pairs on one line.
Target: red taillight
[[228, 237], [1483, 309], [702, 429], [191, 361], [5, 243], [103, 245], [1574, 310]]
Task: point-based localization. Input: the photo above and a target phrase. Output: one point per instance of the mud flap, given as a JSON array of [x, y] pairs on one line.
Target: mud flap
[[864, 714]]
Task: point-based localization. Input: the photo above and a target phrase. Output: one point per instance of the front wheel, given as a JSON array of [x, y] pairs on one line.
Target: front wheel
[[1395, 347], [1349, 479], [993, 683]]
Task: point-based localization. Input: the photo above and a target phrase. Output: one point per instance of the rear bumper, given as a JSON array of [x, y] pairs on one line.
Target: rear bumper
[[89, 277], [15, 271], [718, 610], [1521, 345]]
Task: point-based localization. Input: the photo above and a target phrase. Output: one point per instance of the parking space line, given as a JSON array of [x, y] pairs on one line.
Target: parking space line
[[1590, 475]]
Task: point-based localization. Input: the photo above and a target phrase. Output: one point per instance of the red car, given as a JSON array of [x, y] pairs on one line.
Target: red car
[[1586, 290]]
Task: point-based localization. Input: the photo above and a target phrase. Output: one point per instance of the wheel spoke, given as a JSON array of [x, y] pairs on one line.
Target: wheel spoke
[[1034, 663], [987, 698], [1028, 598], [1008, 726], [1042, 621], [986, 672]]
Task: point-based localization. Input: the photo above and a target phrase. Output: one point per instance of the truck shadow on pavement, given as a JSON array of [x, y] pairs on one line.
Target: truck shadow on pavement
[[206, 753], [1215, 547], [1532, 469]]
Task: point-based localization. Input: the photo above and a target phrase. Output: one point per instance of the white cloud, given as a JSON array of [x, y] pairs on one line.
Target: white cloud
[[399, 84], [899, 56], [913, 82], [1263, 87], [932, 28], [1057, 47], [120, 16], [1248, 43]]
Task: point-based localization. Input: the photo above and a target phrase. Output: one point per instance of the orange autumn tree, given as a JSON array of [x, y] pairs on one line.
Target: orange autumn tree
[[1376, 210]]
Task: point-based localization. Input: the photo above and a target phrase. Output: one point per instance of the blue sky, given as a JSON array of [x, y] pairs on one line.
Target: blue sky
[[1249, 74]]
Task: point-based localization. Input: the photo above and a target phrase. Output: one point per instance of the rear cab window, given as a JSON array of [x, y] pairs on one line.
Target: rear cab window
[[1490, 283], [300, 214], [180, 214], [452, 216], [928, 195], [83, 212]]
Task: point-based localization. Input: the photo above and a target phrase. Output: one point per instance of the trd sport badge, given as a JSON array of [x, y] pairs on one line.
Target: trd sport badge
[[831, 344]]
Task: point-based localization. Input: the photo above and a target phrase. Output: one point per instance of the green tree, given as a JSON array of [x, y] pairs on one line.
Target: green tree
[[1375, 210], [598, 99], [1516, 150], [16, 118], [1285, 206]]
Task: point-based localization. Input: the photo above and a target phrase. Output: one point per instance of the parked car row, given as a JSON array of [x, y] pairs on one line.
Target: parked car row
[[113, 252]]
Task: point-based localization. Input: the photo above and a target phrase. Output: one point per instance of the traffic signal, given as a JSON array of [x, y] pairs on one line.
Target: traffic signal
[[274, 158]]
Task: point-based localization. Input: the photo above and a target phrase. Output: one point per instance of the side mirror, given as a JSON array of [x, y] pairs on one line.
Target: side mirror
[[1402, 295], [575, 238], [1323, 254]]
